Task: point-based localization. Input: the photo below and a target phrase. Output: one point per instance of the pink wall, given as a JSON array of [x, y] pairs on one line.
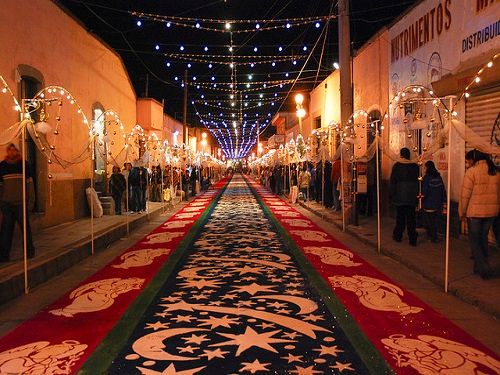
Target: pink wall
[[150, 114], [371, 82], [40, 34], [170, 126]]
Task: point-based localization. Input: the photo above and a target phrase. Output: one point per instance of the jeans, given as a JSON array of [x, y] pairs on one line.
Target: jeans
[[12, 213], [143, 199], [336, 196], [118, 204], [431, 224], [496, 230], [406, 217], [478, 240], [303, 190], [136, 199]]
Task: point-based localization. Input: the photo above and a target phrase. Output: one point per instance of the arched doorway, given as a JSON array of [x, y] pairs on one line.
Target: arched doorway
[[31, 81]]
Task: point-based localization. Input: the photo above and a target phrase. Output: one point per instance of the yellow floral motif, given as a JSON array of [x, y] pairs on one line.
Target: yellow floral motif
[[374, 293], [432, 355]]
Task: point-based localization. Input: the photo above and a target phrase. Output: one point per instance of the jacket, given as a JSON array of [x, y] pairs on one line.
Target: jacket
[[11, 182], [336, 171], [479, 196], [404, 186], [304, 179], [117, 184], [434, 193]]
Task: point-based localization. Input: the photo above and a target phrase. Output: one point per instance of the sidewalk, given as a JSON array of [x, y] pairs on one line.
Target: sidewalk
[[59, 248], [427, 258]]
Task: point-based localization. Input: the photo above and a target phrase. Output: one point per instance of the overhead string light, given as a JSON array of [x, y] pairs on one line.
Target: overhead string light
[[217, 59], [229, 26]]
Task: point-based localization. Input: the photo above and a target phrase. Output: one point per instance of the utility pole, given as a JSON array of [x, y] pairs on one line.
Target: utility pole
[[185, 135], [346, 97], [147, 86]]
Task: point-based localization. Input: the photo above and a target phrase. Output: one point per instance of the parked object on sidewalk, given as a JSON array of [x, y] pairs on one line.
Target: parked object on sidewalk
[[11, 201], [404, 189], [94, 202], [480, 203], [434, 198]]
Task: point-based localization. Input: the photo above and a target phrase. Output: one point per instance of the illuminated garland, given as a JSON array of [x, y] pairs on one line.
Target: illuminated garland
[[196, 23]]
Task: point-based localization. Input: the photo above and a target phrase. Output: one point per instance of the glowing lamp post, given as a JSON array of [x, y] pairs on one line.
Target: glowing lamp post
[[301, 112]]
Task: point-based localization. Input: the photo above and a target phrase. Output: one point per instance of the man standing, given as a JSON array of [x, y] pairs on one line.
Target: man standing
[[404, 190], [134, 182], [304, 181], [11, 201]]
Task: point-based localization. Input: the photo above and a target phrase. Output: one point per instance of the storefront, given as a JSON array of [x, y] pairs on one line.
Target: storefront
[[441, 46]]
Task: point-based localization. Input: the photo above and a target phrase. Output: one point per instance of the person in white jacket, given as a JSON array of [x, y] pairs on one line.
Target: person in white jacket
[[479, 204]]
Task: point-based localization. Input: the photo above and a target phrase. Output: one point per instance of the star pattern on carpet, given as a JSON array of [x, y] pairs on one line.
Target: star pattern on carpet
[[237, 301], [254, 366], [250, 339]]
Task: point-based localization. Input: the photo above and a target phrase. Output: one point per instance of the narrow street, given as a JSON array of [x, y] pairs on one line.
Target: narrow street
[[240, 282]]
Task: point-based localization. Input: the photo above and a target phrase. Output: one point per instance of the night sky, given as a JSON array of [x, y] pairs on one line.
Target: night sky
[[148, 49]]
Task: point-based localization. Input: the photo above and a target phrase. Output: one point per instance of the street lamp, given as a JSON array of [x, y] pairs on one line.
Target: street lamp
[[259, 149], [301, 112]]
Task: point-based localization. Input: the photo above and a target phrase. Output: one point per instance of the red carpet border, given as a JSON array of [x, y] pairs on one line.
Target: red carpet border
[[412, 337], [59, 338]]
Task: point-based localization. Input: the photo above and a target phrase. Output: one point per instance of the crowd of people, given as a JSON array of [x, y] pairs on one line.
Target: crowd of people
[[142, 183], [155, 184], [308, 178], [410, 195], [414, 198]]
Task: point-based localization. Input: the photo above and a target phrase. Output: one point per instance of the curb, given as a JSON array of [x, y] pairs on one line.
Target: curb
[[72, 254], [463, 296]]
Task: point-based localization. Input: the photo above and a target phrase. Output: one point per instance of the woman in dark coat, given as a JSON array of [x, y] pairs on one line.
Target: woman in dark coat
[[117, 186], [434, 197]]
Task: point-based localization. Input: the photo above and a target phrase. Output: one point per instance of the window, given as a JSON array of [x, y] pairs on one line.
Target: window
[[317, 122]]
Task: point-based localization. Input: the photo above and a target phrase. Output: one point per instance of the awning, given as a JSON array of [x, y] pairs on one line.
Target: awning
[[456, 82]]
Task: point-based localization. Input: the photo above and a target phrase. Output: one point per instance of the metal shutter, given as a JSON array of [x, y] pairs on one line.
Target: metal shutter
[[482, 111]]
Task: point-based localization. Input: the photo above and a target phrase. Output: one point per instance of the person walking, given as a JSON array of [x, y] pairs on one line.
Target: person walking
[[304, 181], [479, 204], [11, 201], [117, 186], [433, 201], [404, 189]]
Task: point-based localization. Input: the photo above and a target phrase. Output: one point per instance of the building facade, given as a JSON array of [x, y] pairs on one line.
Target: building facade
[[41, 45]]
